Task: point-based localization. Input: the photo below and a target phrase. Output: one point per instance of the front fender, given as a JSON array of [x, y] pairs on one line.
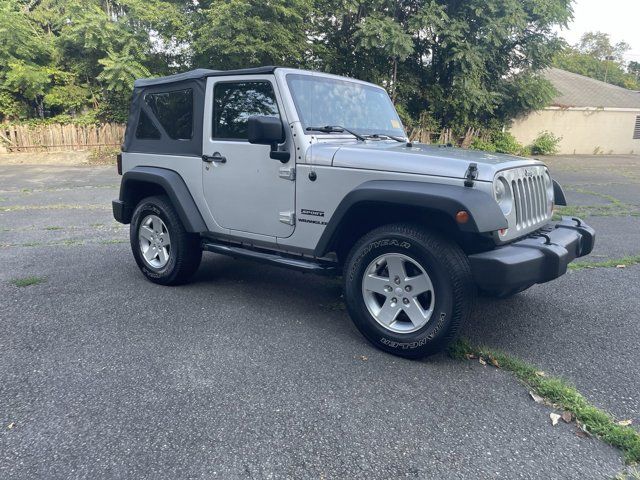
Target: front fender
[[485, 214]]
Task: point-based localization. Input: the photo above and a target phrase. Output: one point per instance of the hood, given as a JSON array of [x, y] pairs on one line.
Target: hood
[[440, 161]]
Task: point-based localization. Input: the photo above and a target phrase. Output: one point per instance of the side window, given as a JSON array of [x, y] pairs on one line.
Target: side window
[[174, 111], [146, 130], [235, 102]]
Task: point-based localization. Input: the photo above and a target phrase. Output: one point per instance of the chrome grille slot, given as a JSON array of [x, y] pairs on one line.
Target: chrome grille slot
[[530, 202]]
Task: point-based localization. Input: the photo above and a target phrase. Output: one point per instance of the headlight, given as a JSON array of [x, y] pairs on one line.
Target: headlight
[[503, 195]]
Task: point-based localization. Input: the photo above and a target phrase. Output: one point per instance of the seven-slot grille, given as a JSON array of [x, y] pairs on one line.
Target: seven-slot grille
[[530, 199]]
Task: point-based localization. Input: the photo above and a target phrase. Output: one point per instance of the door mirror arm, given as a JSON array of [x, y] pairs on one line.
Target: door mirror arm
[[276, 154]]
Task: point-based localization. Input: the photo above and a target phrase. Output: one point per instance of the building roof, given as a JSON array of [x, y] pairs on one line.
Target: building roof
[[579, 91], [200, 73]]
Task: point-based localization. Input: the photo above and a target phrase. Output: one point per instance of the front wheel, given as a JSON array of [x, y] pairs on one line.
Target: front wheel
[[164, 251], [408, 290]]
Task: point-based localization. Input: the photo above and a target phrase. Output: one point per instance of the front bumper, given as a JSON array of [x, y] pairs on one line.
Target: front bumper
[[537, 258]]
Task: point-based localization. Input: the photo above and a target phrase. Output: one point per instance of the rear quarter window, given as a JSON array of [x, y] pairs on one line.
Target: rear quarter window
[[174, 112]]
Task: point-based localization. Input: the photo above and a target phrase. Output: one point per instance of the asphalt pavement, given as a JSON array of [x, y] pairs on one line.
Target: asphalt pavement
[[253, 371]]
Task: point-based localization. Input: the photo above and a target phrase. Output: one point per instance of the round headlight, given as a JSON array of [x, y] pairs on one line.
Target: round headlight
[[503, 195]]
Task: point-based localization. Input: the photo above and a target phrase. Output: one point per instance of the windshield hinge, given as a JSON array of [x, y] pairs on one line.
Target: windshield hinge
[[471, 174], [287, 217], [288, 173]]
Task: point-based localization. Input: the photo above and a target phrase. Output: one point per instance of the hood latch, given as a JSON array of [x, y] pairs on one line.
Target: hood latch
[[471, 174]]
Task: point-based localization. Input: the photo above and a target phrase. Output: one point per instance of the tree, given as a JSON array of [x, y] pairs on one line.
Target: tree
[[66, 56], [232, 34], [596, 57], [460, 61], [598, 45]]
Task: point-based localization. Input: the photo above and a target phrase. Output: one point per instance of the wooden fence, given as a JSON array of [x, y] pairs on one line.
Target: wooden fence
[[58, 137]]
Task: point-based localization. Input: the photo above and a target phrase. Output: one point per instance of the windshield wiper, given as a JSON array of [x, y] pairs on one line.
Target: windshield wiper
[[336, 129], [381, 135]]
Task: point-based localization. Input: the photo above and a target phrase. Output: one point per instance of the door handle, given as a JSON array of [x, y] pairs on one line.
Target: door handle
[[216, 157]]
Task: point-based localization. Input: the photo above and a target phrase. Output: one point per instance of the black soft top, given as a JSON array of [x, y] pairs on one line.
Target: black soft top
[[195, 82], [199, 74]]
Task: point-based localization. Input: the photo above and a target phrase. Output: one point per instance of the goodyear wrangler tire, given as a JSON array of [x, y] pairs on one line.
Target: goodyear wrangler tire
[[164, 251], [408, 290]]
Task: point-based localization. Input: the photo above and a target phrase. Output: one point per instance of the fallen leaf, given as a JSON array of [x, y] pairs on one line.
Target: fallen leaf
[[567, 416], [470, 356], [364, 358], [482, 361], [582, 434], [620, 266], [625, 423], [536, 398], [494, 362], [540, 373], [554, 418], [11, 425]]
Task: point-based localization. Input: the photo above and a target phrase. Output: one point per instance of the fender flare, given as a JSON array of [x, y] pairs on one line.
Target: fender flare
[[485, 214], [172, 184], [558, 194]]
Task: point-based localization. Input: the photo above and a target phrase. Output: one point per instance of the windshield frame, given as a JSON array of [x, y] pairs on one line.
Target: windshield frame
[[400, 132]]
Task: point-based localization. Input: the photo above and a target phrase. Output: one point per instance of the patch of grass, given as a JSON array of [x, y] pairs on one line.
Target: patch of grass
[[111, 241], [561, 395], [27, 281], [56, 206], [626, 261], [53, 228], [615, 207], [629, 474]]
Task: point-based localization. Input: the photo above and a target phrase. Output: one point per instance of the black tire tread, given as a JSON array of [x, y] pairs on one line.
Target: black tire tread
[[187, 245], [455, 262]]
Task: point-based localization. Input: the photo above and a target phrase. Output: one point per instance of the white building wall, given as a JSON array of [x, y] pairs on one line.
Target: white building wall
[[583, 131]]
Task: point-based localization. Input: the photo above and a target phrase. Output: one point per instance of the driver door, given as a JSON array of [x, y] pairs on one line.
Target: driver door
[[242, 184]]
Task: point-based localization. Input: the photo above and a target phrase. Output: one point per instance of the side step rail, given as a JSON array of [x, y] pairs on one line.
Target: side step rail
[[300, 264]]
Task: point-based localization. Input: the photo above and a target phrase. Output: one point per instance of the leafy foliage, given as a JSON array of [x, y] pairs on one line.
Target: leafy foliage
[[461, 65], [596, 57], [546, 143]]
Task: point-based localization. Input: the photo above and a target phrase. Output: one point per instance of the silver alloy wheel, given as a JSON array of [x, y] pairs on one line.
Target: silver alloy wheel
[[154, 240], [398, 293]]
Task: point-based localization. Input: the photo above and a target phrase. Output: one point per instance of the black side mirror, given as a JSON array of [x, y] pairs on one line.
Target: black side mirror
[[268, 131], [265, 130]]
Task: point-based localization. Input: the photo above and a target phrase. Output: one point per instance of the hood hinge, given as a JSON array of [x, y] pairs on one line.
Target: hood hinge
[[288, 173], [288, 218]]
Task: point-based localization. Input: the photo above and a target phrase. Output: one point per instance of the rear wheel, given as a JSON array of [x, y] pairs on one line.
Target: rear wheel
[[408, 290], [164, 251]]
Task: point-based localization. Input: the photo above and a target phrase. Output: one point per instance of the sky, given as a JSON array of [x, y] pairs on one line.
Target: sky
[[619, 18]]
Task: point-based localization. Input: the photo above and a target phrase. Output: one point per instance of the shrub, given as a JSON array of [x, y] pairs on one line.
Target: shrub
[[504, 142], [500, 142], [546, 143], [481, 144]]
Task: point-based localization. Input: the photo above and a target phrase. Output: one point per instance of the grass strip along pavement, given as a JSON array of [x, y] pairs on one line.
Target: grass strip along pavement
[[559, 394], [614, 263]]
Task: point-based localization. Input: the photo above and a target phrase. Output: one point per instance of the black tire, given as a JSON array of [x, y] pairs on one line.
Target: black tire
[[450, 273], [185, 252]]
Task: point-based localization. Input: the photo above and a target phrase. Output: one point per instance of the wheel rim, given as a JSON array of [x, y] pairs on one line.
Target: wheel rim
[[154, 240], [398, 293]]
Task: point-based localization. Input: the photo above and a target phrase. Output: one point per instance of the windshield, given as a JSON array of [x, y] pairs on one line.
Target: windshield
[[323, 101]]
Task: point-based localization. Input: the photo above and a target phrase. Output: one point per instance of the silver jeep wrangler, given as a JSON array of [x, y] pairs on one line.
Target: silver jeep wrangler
[[315, 172]]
